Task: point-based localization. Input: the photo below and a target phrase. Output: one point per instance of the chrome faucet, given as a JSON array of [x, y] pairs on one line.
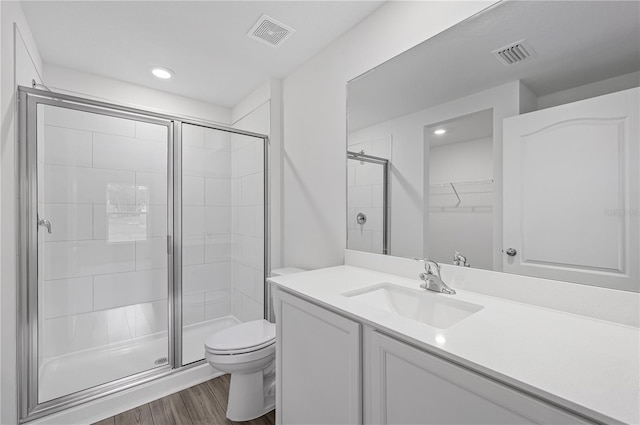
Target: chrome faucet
[[460, 260], [432, 280]]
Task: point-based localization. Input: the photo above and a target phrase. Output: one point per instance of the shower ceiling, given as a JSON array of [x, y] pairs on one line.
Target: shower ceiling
[[203, 42]]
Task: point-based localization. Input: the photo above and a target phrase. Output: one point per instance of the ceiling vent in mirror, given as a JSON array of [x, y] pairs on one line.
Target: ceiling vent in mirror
[[514, 52], [269, 31]]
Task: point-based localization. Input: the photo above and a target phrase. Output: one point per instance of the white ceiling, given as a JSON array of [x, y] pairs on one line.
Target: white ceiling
[[203, 42], [577, 42], [477, 125]]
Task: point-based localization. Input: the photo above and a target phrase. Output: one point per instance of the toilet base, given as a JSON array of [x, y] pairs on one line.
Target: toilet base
[[251, 395]]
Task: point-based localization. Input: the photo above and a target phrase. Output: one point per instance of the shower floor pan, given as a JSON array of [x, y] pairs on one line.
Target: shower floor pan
[[74, 372]]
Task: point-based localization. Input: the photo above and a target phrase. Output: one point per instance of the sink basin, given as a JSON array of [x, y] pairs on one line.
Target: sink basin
[[422, 306]]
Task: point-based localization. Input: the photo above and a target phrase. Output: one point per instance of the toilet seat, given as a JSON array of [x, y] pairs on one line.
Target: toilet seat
[[243, 338]]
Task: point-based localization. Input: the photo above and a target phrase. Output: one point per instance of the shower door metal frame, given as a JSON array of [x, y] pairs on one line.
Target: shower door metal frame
[[27, 315], [358, 156], [28, 311]]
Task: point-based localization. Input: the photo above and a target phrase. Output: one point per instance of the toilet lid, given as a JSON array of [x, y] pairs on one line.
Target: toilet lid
[[248, 336]]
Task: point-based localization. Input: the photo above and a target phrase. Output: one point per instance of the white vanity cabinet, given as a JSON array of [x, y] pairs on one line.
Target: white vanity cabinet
[[406, 385], [318, 364], [335, 370]]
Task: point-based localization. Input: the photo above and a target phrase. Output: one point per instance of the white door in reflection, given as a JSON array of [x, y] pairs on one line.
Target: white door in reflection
[[571, 192]]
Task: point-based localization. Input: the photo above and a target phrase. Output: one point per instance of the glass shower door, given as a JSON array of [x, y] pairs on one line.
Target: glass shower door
[[102, 251], [223, 233]]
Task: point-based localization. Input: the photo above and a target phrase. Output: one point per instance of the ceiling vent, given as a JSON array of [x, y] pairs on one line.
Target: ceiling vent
[[514, 52], [269, 31]]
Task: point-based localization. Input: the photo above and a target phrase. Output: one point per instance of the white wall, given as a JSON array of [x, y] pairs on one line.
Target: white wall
[[314, 98], [69, 81], [244, 115], [261, 112], [598, 88], [465, 226], [19, 63]]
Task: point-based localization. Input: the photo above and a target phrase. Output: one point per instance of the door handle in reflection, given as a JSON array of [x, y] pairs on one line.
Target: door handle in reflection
[[511, 252], [45, 223]]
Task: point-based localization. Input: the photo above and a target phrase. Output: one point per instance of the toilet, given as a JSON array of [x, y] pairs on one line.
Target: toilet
[[247, 351]]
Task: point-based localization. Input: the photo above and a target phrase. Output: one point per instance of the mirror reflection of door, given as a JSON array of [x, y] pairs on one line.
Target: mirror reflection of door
[[459, 189], [571, 191]]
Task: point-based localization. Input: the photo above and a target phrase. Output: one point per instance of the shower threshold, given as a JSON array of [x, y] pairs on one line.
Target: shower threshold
[[67, 374]]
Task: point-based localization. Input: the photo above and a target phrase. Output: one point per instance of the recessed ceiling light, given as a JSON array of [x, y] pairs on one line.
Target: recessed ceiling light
[[440, 131], [162, 73]]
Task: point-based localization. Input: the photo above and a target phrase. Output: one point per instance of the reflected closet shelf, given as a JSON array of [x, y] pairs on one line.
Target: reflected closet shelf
[[461, 188]]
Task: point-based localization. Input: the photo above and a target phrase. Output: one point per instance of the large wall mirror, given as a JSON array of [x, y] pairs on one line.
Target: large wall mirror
[[509, 142]]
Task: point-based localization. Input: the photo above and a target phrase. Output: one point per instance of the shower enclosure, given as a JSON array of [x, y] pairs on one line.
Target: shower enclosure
[[141, 233], [367, 207]]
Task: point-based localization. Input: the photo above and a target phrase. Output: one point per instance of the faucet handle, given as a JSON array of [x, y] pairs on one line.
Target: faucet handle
[[432, 263], [423, 260], [460, 259], [428, 264]]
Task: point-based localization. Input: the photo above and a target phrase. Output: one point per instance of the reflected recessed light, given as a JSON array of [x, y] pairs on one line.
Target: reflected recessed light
[[440, 131], [440, 339], [162, 73]]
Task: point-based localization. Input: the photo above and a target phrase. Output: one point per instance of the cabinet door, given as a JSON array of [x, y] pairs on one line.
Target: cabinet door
[[404, 385], [318, 378]]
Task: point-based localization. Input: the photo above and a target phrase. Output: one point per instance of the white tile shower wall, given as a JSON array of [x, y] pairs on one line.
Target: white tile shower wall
[[67, 334], [206, 224], [122, 289], [247, 198], [105, 262]]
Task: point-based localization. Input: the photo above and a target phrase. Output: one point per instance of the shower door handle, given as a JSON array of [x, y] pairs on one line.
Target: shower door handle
[[45, 223]]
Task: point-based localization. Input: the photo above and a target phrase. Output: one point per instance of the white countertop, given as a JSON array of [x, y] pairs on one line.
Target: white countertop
[[587, 365]]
